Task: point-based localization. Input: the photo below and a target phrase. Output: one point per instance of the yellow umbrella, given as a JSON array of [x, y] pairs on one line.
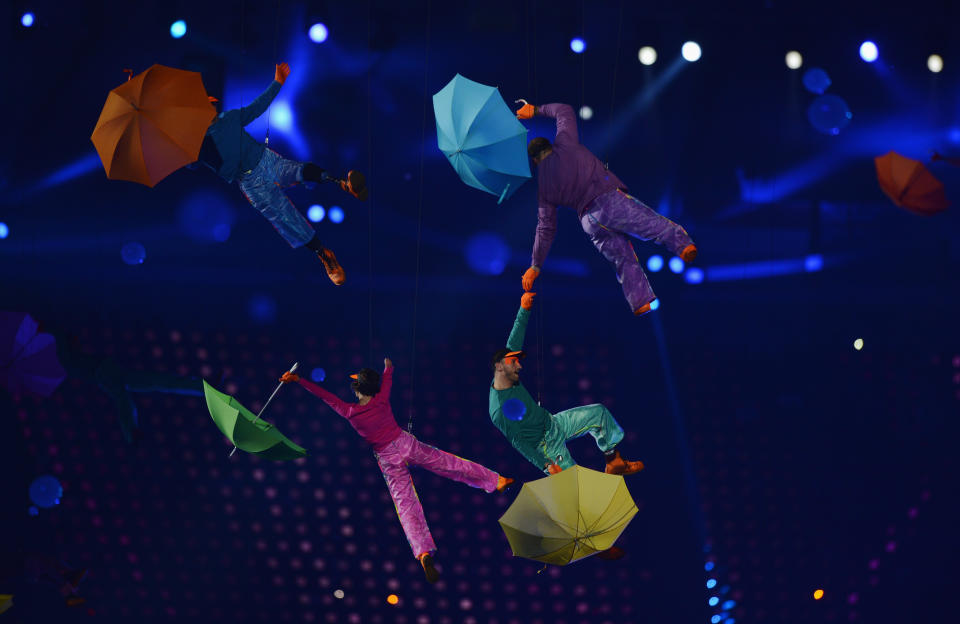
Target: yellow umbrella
[[568, 516], [6, 601]]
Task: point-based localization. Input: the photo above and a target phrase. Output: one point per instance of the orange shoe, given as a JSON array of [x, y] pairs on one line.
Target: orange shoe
[[334, 271], [429, 571], [356, 185], [503, 483], [642, 310], [619, 466], [689, 253]]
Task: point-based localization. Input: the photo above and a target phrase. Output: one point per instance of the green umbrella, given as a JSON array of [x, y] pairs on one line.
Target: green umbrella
[[573, 514], [246, 430]]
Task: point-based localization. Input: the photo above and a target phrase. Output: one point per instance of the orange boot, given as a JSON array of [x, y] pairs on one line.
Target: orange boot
[[334, 271], [428, 570]]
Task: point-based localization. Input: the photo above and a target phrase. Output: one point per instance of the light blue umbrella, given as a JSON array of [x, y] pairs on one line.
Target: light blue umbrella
[[481, 137]]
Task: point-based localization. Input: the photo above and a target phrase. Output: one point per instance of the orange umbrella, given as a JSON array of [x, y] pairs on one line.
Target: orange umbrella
[[909, 184], [152, 125]]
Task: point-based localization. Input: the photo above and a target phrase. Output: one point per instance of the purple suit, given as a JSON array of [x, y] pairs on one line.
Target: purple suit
[[572, 176]]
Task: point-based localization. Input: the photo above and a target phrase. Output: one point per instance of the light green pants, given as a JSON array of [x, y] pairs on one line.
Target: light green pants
[[573, 423]]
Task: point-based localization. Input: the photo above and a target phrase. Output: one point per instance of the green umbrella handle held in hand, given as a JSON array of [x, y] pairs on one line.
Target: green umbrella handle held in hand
[[293, 369]]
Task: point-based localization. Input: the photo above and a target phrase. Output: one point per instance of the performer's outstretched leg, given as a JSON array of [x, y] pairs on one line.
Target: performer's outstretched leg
[[616, 248], [597, 421], [448, 465], [622, 212], [393, 464], [262, 188]]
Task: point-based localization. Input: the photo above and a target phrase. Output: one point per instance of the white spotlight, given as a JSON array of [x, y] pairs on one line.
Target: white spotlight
[[794, 60], [691, 51], [935, 63], [647, 55], [858, 344], [586, 112]]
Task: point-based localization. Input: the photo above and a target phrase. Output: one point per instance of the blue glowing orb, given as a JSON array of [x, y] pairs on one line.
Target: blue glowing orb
[[207, 217], [813, 263], [829, 114], [27, 20], [713, 601], [711, 583], [281, 116], [33, 511], [693, 276], [4, 230], [133, 253], [708, 566], [654, 304], [728, 605], [716, 619], [676, 264], [868, 51], [318, 374], [816, 80], [578, 45], [46, 492], [318, 33], [655, 263], [178, 29], [514, 409], [336, 214], [487, 253], [315, 213], [262, 308]]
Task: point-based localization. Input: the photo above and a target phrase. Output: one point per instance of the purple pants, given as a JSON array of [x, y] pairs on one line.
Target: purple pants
[[407, 450], [611, 219]]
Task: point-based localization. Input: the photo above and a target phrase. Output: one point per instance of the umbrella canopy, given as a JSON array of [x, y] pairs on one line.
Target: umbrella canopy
[[568, 516], [909, 184], [152, 125], [28, 360], [246, 431], [481, 137]]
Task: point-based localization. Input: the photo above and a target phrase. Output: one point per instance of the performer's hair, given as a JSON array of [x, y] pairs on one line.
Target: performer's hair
[[537, 145], [367, 382]]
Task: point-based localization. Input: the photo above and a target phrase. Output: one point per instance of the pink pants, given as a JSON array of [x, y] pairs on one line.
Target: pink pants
[[405, 451]]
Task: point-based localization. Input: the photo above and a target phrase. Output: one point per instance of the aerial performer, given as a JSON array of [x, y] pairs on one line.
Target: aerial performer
[[395, 449], [539, 435], [262, 174], [569, 174]]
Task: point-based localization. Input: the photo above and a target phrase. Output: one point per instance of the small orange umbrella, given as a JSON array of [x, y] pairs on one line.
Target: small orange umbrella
[[909, 184], [152, 125]]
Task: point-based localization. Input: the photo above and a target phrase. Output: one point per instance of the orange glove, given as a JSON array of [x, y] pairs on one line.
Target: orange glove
[[527, 111], [554, 469], [283, 70], [526, 301], [528, 276], [288, 377]]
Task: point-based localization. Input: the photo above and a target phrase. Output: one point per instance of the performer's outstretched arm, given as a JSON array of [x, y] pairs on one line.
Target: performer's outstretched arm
[[386, 381], [566, 121], [335, 403], [257, 107], [546, 231]]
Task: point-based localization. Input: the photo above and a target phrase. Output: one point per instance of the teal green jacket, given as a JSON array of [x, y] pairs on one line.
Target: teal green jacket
[[527, 434]]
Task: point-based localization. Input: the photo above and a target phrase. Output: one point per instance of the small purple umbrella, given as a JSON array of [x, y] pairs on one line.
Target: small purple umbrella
[[28, 360]]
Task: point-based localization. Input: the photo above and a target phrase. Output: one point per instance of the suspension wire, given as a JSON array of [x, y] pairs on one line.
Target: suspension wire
[[416, 287]]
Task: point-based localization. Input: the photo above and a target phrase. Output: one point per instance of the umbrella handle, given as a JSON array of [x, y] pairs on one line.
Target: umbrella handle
[[293, 369], [129, 73]]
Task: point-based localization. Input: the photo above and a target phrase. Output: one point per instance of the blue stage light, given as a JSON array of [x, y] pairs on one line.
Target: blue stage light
[[729, 621], [713, 601], [816, 80], [281, 116], [711, 583], [318, 374], [315, 213], [708, 566], [813, 263], [206, 216], [715, 619], [336, 214], [4, 230], [693, 276], [655, 263], [133, 253], [729, 605], [868, 51], [578, 45], [318, 33], [654, 304], [487, 253], [829, 114], [262, 308], [676, 264], [178, 29], [27, 20], [954, 135]]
